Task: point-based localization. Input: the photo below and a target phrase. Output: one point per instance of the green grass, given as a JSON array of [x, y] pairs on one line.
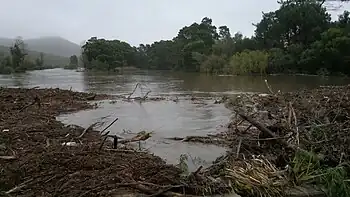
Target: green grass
[[307, 169]]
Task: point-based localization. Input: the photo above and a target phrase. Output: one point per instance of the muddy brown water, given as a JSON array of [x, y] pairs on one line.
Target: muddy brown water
[[166, 118]]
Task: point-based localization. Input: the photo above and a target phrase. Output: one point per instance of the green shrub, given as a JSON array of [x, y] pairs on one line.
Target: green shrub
[[248, 62]]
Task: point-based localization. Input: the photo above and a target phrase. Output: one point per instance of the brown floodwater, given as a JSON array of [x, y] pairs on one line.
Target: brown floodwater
[[166, 118]]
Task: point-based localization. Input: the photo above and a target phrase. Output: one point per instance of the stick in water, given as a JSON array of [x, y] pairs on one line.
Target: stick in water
[[109, 125]]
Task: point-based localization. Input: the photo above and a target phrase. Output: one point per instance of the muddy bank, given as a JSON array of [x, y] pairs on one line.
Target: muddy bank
[[34, 161], [277, 142], [283, 140]]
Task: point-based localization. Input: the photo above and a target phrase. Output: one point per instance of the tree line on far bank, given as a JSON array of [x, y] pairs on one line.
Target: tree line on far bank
[[299, 37], [17, 59]]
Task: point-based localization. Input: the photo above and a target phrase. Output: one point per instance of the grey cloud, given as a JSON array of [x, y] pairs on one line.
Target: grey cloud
[[134, 21]]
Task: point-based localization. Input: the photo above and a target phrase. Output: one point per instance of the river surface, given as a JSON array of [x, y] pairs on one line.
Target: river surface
[[165, 118]]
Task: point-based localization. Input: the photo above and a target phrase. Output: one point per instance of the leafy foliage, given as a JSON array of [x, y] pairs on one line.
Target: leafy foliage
[[214, 64], [73, 62], [299, 37], [307, 168], [18, 59], [107, 54], [248, 62]]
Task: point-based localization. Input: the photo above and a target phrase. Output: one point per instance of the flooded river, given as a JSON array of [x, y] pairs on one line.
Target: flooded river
[[166, 118]]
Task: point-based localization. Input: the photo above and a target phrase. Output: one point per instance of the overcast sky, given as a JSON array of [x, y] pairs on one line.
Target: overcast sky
[[134, 21]]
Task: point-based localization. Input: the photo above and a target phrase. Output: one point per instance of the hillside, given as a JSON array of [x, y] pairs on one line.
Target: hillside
[[6, 42], [56, 46], [48, 58]]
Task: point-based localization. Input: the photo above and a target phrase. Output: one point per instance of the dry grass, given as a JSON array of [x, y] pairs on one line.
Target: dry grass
[[256, 177]]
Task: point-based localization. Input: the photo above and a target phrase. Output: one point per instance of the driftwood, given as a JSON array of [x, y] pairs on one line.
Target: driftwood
[[190, 138], [90, 98], [138, 98], [125, 151], [268, 87], [142, 136], [103, 141], [115, 142], [141, 186], [36, 100], [8, 157], [268, 132], [138, 84], [265, 130], [115, 120], [175, 138], [18, 187], [84, 132], [165, 192], [138, 138], [200, 139], [198, 170], [106, 134], [47, 143], [239, 147]]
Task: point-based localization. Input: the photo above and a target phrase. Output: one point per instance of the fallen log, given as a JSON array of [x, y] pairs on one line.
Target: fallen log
[[264, 129], [143, 138], [200, 139], [268, 132], [175, 138]]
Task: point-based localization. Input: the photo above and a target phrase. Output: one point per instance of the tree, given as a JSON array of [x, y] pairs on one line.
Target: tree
[[197, 38], [110, 53], [39, 62], [18, 53], [332, 4], [163, 55], [295, 22], [224, 33], [298, 37], [214, 64], [330, 53], [73, 60]]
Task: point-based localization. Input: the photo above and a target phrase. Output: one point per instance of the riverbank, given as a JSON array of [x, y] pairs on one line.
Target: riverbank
[[36, 159], [277, 142], [286, 140]]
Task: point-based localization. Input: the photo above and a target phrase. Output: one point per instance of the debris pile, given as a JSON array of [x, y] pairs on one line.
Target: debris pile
[[284, 140], [40, 156], [315, 120], [277, 142]]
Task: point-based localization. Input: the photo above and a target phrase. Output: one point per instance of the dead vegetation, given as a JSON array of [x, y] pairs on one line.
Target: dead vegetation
[[39, 156], [280, 141], [42, 157], [284, 140], [277, 142]]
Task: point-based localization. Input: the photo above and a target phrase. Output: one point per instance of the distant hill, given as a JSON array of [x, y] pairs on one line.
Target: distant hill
[[6, 42], [48, 58], [50, 45], [53, 45]]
